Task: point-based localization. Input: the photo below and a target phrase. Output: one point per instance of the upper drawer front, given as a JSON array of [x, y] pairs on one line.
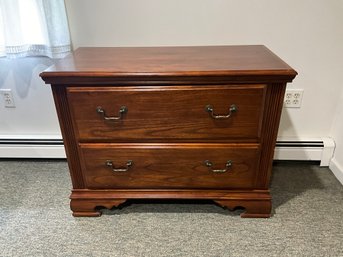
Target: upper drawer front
[[167, 114], [170, 165]]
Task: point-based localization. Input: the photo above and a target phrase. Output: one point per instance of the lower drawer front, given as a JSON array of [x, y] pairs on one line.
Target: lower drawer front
[[170, 166]]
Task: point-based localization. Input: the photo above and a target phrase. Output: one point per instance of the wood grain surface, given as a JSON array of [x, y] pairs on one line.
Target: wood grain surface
[[166, 132], [104, 64], [167, 114], [170, 165]]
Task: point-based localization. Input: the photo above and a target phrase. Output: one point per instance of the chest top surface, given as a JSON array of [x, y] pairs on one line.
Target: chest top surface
[[114, 62]]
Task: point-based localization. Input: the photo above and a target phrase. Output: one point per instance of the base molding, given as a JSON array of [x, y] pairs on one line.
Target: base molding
[[253, 209], [257, 203], [88, 208]]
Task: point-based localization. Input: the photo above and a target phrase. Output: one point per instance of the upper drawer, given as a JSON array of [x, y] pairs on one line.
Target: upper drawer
[[192, 113]]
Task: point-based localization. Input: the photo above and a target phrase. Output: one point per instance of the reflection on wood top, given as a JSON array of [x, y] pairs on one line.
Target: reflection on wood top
[[152, 60]]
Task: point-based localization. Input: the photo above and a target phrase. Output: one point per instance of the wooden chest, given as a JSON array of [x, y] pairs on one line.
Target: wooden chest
[[170, 122]]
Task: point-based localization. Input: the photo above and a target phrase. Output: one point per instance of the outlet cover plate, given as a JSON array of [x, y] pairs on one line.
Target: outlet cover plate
[[7, 98], [293, 98]]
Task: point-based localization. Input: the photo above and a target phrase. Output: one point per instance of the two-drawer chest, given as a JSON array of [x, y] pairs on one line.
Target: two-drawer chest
[[170, 122]]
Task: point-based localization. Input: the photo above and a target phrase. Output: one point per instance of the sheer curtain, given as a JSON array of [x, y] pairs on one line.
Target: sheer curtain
[[33, 28]]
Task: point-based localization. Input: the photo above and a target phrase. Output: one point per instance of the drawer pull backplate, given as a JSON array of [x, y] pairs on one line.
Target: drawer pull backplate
[[209, 108], [120, 169], [210, 165]]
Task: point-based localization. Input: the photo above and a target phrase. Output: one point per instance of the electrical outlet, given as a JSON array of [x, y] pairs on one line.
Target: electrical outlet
[[7, 98], [293, 98]]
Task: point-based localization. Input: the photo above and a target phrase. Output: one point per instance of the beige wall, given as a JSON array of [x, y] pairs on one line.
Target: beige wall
[[307, 34], [34, 114], [336, 164]]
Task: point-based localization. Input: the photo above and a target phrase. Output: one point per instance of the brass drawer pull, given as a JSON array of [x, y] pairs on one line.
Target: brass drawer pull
[[111, 165], [209, 108], [227, 166], [122, 111]]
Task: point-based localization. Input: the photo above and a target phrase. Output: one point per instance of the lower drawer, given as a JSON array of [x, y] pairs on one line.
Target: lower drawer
[[155, 166]]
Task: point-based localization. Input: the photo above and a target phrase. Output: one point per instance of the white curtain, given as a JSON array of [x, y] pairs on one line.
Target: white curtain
[[33, 28]]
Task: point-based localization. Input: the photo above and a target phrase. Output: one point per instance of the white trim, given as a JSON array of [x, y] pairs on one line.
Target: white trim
[[299, 139], [306, 153], [298, 153], [57, 151], [336, 169], [328, 151], [27, 150], [32, 151], [301, 151], [40, 137]]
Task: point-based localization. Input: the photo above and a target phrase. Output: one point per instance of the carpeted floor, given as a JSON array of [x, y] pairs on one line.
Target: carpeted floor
[[35, 219]]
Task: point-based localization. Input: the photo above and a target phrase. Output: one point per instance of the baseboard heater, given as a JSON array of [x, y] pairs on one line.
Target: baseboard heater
[[305, 150], [300, 150], [32, 148]]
